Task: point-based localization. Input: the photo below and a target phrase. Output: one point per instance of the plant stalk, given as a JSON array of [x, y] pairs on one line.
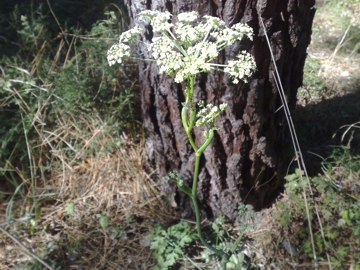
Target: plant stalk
[[188, 117]]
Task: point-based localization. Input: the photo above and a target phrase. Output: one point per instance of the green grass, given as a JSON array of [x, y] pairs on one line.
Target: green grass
[[61, 105], [341, 18], [47, 80]]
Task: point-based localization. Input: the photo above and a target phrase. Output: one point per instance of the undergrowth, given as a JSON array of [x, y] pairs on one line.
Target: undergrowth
[[313, 85], [176, 245], [49, 83], [337, 193], [70, 142]]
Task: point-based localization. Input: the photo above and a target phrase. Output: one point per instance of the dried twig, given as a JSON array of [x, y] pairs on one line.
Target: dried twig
[[26, 249]]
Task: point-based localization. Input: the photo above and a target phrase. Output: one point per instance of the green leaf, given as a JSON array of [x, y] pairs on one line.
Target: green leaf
[[341, 222], [326, 214], [103, 220], [332, 235], [185, 240], [162, 249], [356, 230], [215, 227], [154, 244], [171, 258], [342, 251], [344, 213], [69, 209]]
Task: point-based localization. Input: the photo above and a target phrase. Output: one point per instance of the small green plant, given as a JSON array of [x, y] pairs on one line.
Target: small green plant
[[70, 208], [344, 18], [168, 244], [43, 260], [103, 220], [221, 234], [313, 87], [293, 188], [313, 84], [337, 195], [247, 213], [184, 50]]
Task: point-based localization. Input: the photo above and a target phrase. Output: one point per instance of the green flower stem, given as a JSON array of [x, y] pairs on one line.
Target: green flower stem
[[198, 154], [184, 119], [188, 123], [186, 190], [195, 178], [208, 140], [220, 253]]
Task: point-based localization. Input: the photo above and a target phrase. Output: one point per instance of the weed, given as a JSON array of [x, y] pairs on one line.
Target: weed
[[222, 236], [69, 209], [103, 220], [61, 107], [176, 242], [313, 84], [337, 196], [168, 244], [40, 90]]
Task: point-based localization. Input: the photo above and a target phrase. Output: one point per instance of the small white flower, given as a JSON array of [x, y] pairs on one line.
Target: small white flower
[[130, 35], [223, 106], [241, 68], [117, 52], [208, 114], [186, 34], [121, 50], [214, 22], [188, 17], [158, 20], [168, 59], [228, 36], [244, 29]]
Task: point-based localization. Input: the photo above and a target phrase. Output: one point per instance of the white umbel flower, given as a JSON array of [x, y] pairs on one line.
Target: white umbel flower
[[188, 47], [228, 36], [188, 17], [122, 50], [130, 35], [117, 52], [208, 113], [158, 20], [242, 68]]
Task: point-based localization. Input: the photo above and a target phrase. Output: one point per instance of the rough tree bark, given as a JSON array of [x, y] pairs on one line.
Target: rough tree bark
[[245, 161]]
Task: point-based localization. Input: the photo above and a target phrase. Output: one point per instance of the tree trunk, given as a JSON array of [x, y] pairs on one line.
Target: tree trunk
[[245, 162]]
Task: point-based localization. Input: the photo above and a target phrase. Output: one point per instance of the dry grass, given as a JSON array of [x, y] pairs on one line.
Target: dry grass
[[86, 200], [108, 181]]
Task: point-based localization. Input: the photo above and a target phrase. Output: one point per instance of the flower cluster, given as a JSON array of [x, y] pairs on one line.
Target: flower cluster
[[121, 50], [241, 68], [208, 113], [189, 46], [228, 36], [158, 20]]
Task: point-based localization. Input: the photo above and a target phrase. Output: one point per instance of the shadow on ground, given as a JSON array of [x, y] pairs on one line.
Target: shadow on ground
[[321, 126]]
